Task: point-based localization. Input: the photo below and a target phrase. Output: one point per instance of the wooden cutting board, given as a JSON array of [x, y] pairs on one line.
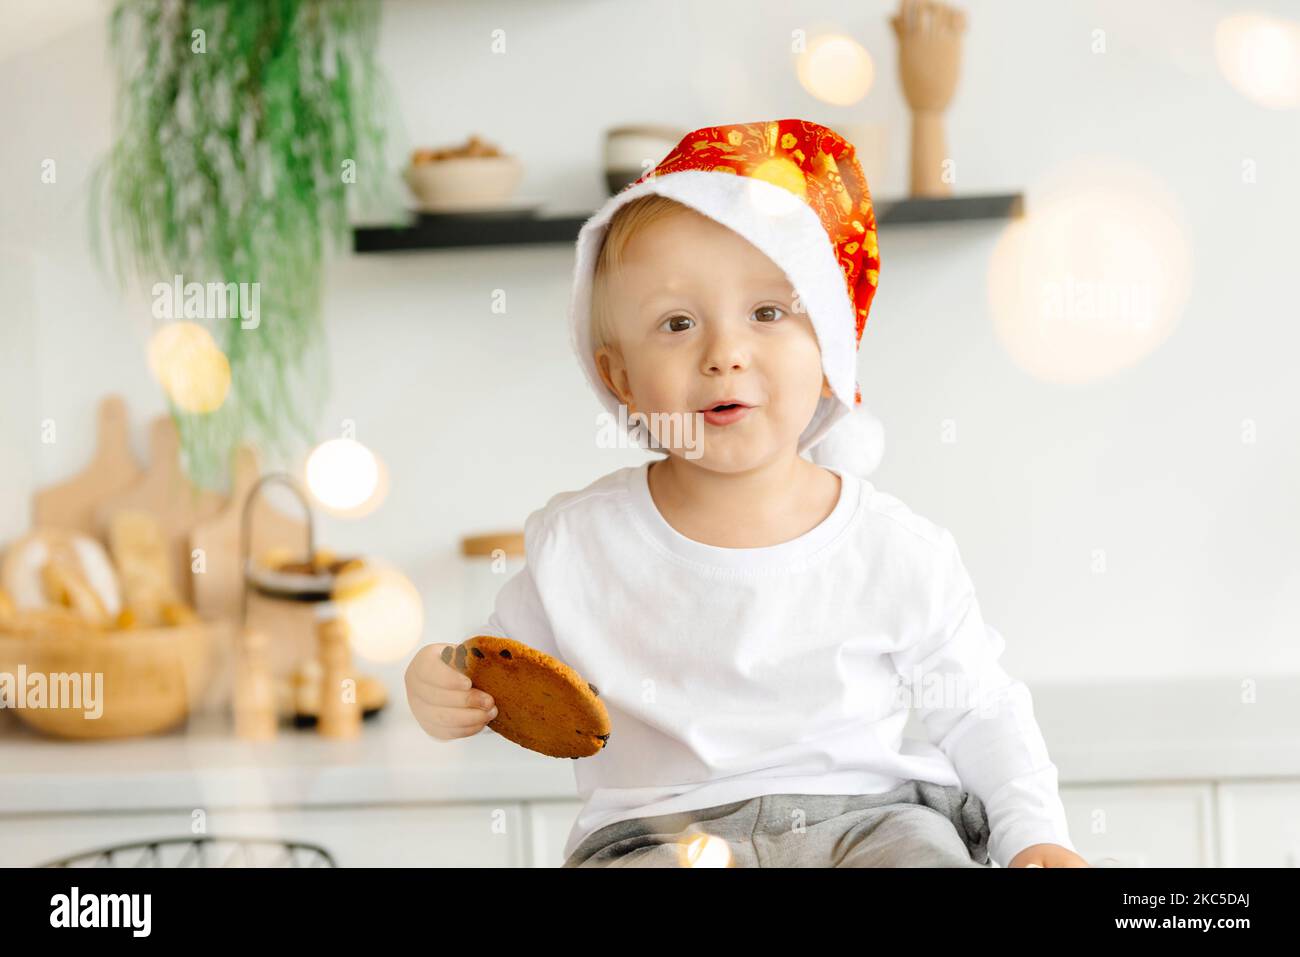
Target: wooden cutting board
[[112, 470], [166, 492]]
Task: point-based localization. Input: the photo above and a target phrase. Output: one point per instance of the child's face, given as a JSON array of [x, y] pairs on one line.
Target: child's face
[[699, 316]]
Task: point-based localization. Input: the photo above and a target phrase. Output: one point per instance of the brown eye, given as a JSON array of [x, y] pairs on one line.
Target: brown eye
[[675, 319], [763, 313]]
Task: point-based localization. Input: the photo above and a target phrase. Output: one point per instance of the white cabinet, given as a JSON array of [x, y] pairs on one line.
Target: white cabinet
[[1260, 824], [445, 835], [550, 823], [1148, 825], [465, 835], [1197, 824]]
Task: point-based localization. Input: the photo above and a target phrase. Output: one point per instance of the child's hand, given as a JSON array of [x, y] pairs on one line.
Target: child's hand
[[442, 699], [1048, 855]]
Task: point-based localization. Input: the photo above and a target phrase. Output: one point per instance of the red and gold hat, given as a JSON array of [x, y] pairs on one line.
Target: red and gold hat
[[795, 190]]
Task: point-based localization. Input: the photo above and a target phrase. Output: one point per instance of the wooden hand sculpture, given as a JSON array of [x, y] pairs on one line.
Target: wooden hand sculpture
[[929, 60]]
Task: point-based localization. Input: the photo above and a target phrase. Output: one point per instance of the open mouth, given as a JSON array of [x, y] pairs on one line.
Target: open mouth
[[725, 413]]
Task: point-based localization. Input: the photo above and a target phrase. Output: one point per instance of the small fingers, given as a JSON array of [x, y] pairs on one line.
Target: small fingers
[[440, 697], [446, 723], [461, 717], [430, 667]]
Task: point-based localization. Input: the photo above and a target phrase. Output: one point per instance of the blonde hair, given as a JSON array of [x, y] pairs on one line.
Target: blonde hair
[[623, 225]]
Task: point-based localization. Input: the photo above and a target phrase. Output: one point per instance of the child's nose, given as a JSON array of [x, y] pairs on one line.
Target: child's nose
[[726, 348], [727, 358]]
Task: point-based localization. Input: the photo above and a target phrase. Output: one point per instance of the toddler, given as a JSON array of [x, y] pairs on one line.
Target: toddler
[[760, 623]]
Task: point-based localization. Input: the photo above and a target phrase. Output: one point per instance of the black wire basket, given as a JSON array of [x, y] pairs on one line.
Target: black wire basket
[[203, 852]]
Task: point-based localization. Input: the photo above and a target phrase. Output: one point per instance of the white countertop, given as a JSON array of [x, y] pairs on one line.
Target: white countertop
[[205, 765], [1190, 729]]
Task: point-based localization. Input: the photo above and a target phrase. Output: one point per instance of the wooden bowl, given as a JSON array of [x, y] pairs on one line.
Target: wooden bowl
[[464, 182], [152, 677]]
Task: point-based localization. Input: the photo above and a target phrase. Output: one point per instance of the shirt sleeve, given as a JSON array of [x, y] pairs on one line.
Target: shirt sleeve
[[519, 612], [980, 717]]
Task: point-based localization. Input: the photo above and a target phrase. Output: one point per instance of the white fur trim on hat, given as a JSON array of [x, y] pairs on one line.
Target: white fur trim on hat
[[785, 229], [855, 443]]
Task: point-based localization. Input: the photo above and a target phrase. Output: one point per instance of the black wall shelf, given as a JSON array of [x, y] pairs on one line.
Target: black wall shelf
[[461, 232]]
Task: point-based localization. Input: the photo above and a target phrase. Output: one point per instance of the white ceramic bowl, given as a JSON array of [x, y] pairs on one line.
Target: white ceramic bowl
[[467, 182], [632, 147]]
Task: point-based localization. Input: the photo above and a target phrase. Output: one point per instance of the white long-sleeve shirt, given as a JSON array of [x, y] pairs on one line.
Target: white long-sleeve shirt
[[730, 673]]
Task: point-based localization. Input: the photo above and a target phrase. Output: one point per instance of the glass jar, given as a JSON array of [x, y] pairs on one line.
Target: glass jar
[[487, 562]]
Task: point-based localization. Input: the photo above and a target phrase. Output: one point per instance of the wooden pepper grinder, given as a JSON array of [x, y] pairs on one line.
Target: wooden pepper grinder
[[256, 717], [340, 708], [929, 58]]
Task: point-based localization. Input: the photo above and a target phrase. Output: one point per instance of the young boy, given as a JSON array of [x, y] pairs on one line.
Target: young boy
[[759, 624]]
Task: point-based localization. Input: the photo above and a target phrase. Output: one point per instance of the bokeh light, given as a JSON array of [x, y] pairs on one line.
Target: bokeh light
[[777, 203], [346, 478], [1260, 56], [706, 850], [382, 609], [1094, 278], [836, 69], [191, 368]]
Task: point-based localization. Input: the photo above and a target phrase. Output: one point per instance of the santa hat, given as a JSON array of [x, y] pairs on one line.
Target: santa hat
[[796, 191]]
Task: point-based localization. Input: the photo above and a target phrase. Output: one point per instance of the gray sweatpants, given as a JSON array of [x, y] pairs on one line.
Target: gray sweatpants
[[918, 824]]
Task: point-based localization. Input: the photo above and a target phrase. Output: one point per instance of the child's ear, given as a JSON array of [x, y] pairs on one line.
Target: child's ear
[[608, 364]]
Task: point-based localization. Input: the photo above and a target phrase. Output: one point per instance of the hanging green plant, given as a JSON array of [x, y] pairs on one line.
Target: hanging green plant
[[242, 130]]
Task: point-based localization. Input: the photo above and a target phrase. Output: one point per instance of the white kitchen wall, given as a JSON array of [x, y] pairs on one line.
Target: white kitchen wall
[[481, 417]]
